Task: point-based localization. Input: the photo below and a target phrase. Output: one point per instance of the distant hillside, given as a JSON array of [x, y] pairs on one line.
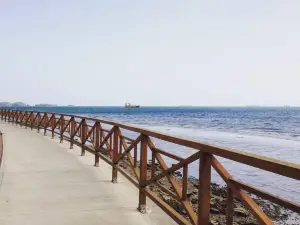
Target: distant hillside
[[45, 105], [14, 104], [5, 104], [22, 104]]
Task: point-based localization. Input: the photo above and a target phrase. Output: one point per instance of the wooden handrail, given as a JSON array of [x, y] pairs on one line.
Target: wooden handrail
[[273, 198], [110, 145]]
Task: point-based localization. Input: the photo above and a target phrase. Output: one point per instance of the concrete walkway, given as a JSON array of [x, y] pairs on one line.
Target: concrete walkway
[[45, 183]]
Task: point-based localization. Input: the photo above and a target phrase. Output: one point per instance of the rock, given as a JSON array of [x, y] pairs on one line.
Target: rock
[[218, 198], [212, 202], [173, 203], [166, 198], [194, 200], [251, 222], [176, 205], [241, 212], [213, 222], [189, 193], [160, 182], [214, 211]]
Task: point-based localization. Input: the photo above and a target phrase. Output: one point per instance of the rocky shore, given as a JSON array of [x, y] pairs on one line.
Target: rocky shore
[[218, 203]]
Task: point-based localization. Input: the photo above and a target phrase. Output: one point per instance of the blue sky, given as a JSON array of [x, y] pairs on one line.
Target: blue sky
[[150, 52]]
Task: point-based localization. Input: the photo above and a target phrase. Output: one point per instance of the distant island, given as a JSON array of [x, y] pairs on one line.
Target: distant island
[[14, 104], [22, 104], [45, 105]]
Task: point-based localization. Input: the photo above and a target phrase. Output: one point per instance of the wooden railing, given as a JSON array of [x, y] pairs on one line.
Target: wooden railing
[[105, 140]]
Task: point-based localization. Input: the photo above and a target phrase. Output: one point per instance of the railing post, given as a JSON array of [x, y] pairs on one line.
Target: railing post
[[53, 122], [32, 121], [97, 144], [143, 174], [83, 136], [21, 117], [62, 124], [111, 142], [101, 135], [10, 115], [38, 122], [184, 182], [120, 146], [45, 123], [14, 117], [26, 120], [153, 170], [17, 117], [135, 156], [204, 189], [72, 132], [26, 117], [115, 156], [229, 217]]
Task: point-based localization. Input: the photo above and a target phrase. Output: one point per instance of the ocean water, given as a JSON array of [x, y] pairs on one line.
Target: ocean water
[[272, 132]]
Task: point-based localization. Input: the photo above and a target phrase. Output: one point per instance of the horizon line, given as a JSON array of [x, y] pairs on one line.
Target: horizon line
[[240, 106]]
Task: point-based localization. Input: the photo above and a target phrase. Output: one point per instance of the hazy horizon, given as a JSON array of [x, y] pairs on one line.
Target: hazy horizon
[[158, 53], [183, 106]]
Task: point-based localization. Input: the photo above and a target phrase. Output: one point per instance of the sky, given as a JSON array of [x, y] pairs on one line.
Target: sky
[[154, 53]]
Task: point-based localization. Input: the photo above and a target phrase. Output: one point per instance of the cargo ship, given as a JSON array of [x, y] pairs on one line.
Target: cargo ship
[[129, 105]]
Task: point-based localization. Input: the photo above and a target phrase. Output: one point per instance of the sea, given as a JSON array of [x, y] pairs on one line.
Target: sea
[[268, 131]]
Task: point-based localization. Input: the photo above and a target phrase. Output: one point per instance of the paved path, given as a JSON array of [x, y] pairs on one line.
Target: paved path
[[45, 183]]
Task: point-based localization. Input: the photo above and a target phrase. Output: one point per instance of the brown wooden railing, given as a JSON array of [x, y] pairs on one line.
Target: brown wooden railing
[[105, 140]]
